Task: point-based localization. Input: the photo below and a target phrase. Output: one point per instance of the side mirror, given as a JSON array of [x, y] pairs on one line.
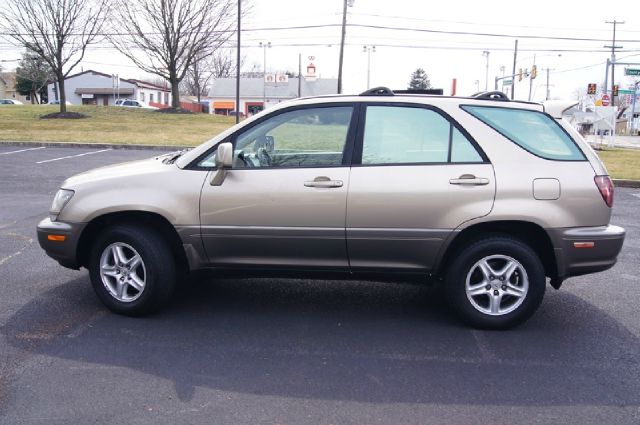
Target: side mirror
[[223, 161]]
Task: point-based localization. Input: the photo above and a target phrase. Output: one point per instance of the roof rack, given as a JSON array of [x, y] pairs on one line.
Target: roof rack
[[491, 95], [378, 91]]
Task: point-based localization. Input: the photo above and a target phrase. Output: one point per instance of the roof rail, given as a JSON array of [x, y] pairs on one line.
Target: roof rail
[[491, 95], [378, 91]]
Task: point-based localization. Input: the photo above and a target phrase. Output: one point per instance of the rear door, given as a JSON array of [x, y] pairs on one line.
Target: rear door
[[417, 176]]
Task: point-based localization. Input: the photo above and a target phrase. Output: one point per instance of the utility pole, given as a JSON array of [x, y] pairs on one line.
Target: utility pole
[[238, 68], [515, 59], [486, 80], [344, 33], [613, 59], [299, 74], [548, 92]]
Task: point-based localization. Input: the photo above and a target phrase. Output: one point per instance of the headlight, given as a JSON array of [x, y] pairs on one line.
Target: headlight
[[63, 196]]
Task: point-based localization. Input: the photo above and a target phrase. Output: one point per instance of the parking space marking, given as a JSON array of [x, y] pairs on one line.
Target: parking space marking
[[23, 150], [72, 156]]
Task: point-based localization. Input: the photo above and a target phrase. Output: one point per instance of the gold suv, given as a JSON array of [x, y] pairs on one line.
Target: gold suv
[[490, 196]]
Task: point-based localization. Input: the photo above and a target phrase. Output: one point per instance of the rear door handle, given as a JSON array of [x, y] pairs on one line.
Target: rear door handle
[[469, 180], [323, 182]]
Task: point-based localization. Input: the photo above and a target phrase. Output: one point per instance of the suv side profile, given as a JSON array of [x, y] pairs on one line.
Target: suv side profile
[[490, 196]]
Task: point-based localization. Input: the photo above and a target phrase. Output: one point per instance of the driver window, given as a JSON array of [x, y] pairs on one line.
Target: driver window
[[312, 137]]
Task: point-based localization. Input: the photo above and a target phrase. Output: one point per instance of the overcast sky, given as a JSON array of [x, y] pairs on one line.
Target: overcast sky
[[443, 56]]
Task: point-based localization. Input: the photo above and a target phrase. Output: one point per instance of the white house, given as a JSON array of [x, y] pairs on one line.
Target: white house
[[97, 88], [256, 94]]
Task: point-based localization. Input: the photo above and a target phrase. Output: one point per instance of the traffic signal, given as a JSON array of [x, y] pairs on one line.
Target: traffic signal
[[520, 74], [615, 90], [591, 88], [534, 72]]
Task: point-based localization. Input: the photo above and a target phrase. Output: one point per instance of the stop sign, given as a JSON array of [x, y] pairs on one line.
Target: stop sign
[[606, 100]]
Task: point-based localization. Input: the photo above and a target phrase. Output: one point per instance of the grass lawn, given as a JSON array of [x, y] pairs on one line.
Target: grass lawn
[[109, 124], [622, 163]]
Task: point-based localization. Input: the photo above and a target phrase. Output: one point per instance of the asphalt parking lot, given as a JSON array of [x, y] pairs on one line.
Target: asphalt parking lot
[[255, 351]]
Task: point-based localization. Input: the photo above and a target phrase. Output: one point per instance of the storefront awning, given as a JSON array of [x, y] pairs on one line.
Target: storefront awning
[[224, 105]]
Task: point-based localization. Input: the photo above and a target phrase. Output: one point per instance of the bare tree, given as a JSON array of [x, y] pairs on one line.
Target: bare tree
[[164, 37], [220, 64], [58, 31]]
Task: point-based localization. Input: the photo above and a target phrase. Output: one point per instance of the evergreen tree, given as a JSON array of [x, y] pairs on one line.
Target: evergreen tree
[[419, 80], [32, 76]]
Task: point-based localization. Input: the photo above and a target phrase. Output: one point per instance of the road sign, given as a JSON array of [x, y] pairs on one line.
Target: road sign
[[507, 82], [623, 91], [632, 71], [606, 100]]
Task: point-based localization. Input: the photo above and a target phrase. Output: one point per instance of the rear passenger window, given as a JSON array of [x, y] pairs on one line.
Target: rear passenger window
[[533, 131], [404, 135]]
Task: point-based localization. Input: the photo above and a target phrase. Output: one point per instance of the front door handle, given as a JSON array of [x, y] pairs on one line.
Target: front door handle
[[323, 182], [470, 180]]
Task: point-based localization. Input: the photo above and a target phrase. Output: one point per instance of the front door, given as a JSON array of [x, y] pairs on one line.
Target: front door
[[283, 203], [416, 177]]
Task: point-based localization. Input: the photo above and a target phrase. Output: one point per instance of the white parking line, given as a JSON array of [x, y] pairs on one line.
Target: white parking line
[[72, 156], [22, 150]]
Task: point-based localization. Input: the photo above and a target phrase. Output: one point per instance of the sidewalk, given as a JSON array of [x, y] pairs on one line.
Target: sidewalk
[[629, 142]]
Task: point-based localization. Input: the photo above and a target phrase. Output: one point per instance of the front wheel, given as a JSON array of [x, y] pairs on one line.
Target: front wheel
[[495, 283], [132, 270]]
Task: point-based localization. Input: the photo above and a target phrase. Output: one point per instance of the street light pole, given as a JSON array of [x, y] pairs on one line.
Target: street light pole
[[368, 50], [531, 79], [264, 73], [486, 82]]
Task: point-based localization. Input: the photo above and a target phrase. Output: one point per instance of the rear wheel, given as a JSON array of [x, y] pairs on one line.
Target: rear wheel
[[495, 283], [132, 270]]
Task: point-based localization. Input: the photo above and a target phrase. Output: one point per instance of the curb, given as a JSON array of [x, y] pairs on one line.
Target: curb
[[635, 184], [92, 145]]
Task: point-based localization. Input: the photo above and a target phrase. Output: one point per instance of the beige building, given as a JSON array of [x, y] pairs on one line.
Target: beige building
[[8, 87]]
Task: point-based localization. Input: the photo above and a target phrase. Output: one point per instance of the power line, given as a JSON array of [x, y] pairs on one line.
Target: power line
[[377, 27]]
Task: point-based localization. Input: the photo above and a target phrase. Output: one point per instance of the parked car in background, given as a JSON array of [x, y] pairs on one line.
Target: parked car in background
[[10, 102], [130, 103], [488, 196]]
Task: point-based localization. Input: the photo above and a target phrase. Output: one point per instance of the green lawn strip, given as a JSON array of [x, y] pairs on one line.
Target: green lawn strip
[[109, 125], [622, 163]]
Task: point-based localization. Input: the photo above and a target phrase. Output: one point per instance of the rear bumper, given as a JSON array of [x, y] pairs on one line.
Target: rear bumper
[[577, 260], [65, 252]]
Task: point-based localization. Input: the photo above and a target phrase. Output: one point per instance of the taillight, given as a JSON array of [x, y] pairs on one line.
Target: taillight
[[605, 186]]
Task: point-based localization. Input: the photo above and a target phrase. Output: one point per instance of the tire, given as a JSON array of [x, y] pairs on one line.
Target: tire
[[142, 286], [496, 282]]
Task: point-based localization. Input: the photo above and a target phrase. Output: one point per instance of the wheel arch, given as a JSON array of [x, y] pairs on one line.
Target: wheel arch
[[527, 232], [147, 219]]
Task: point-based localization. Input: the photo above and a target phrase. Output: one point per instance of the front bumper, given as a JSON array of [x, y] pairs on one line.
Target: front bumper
[[65, 252], [575, 260]]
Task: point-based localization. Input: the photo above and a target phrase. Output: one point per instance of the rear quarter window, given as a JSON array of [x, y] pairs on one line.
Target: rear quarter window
[[533, 131]]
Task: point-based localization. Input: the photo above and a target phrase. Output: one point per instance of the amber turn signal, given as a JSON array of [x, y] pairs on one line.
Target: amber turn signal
[[56, 238]]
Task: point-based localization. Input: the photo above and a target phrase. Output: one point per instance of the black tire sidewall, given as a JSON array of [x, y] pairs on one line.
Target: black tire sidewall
[[467, 257], [159, 269]]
